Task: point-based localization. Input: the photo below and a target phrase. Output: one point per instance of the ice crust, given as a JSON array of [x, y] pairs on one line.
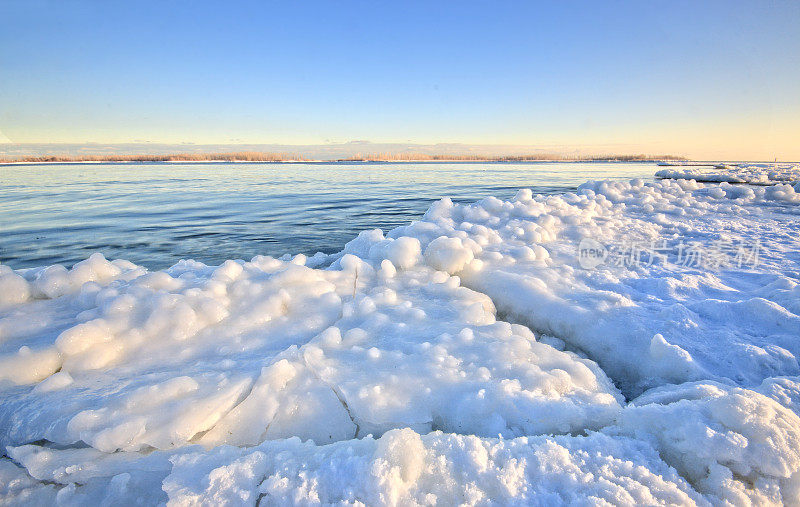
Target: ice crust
[[756, 174], [646, 325], [403, 370]]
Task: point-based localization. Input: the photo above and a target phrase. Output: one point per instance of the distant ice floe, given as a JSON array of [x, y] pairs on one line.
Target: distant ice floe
[[468, 357], [755, 174]]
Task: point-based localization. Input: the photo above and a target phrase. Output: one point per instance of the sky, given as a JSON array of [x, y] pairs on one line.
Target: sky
[[704, 79]]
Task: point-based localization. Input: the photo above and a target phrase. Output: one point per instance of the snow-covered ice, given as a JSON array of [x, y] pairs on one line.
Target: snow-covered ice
[[645, 324], [756, 174], [472, 356]]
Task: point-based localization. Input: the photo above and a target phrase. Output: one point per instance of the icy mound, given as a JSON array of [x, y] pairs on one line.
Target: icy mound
[[693, 444], [732, 444], [755, 174], [400, 468], [718, 297], [272, 349]]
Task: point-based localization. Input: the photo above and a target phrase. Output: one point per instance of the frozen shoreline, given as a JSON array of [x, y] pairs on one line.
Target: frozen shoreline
[[754, 174], [642, 382]]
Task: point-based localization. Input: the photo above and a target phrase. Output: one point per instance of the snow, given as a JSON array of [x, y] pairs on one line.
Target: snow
[[402, 467], [676, 323], [756, 174], [406, 468], [468, 357], [715, 434], [273, 349]]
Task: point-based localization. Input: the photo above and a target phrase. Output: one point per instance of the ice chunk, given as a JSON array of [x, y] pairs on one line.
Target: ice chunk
[[405, 468], [19, 488], [731, 314], [731, 443], [264, 350], [758, 174], [448, 254]]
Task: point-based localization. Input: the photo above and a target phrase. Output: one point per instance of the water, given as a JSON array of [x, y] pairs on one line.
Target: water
[[154, 214]]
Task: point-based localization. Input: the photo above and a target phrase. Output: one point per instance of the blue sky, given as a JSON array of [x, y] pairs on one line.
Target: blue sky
[[703, 79]]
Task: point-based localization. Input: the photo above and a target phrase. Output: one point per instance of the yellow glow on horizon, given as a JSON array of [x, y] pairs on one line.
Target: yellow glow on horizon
[[763, 138]]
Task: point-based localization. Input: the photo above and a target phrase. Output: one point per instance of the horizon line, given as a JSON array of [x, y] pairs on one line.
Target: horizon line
[[359, 149]]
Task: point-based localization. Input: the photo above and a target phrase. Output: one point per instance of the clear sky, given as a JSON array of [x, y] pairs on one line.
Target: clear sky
[[705, 79]]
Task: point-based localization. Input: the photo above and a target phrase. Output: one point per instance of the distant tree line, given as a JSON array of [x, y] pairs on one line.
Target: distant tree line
[[408, 156], [256, 156], [239, 156]]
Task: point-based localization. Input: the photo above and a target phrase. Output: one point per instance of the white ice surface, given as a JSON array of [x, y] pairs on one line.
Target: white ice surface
[[273, 349], [383, 375], [645, 325], [757, 174]]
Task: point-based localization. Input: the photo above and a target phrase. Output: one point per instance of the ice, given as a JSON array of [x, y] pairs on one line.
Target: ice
[[405, 468], [730, 443], [448, 254], [400, 468], [478, 354], [19, 488], [86, 476], [650, 323], [56, 280], [756, 174], [271, 349], [784, 390]]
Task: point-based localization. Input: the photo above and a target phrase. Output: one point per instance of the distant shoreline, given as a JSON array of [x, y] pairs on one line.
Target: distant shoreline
[[258, 157]]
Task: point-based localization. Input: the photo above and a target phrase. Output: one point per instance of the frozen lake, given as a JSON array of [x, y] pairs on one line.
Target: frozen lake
[[155, 214]]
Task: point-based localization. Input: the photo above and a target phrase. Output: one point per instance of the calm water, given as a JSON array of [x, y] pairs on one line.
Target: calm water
[[156, 214]]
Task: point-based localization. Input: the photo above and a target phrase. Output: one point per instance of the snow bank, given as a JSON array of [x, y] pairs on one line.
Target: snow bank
[[271, 349], [646, 320], [697, 443], [405, 468], [401, 468], [734, 445], [756, 174], [479, 354], [56, 280]]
